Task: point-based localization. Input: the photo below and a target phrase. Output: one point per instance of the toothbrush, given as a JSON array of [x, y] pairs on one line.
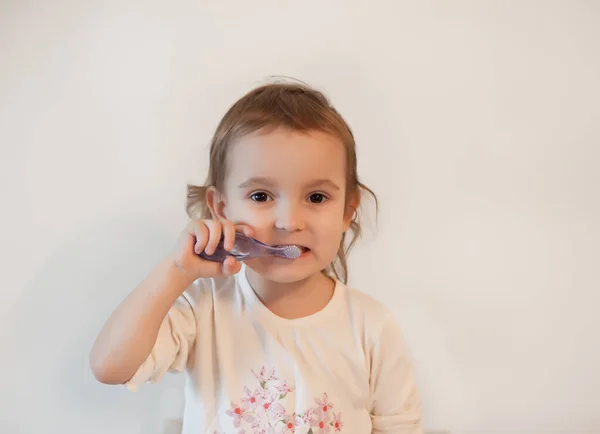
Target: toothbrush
[[248, 248]]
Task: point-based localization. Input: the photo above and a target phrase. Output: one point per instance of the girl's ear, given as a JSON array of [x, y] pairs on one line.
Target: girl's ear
[[350, 211], [215, 201]]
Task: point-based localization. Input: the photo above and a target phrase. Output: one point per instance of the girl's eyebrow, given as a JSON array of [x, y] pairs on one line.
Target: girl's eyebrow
[[322, 183], [270, 182], [257, 180]]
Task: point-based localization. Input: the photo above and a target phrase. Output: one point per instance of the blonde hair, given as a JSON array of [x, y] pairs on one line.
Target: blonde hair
[[295, 106]]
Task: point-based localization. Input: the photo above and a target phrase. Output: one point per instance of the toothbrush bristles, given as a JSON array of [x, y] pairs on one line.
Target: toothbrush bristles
[[292, 252]]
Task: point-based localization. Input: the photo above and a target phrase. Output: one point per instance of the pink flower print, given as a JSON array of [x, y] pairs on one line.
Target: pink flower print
[[321, 424], [252, 399], [315, 415], [337, 422], [324, 406], [267, 404], [266, 397], [284, 389], [239, 413], [307, 416], [260, 376], [271, 405], [276, 411], [291, 422], [256, 425], [272, 376], [264, 379], [262, 410]]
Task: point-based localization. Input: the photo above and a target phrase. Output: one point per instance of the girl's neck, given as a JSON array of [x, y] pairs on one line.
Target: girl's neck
[[296, 299]]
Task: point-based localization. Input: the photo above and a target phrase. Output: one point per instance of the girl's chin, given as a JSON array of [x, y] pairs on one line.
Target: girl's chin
[[283, 270]]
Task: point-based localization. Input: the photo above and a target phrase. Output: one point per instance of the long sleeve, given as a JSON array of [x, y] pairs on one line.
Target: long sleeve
[[173, 346], [396, 407]]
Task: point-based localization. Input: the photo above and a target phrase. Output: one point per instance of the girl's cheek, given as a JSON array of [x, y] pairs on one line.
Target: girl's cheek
[[249, 215]]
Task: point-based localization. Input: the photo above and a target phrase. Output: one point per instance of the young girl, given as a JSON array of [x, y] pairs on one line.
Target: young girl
[[272, 345]]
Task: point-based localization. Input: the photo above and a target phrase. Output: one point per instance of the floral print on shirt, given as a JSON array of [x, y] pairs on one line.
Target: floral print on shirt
[[261, 410]]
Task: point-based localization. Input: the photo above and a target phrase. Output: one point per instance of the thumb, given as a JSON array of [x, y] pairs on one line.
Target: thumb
[[231, 266]]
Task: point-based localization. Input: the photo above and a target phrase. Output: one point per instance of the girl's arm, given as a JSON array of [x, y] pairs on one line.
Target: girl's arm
[[397, 406], [130, 333]]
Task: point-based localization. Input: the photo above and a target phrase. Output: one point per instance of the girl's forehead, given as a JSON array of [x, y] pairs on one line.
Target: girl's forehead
[[284, 154]]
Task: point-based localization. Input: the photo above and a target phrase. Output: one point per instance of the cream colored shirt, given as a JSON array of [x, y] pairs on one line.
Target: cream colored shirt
[[343, 369]]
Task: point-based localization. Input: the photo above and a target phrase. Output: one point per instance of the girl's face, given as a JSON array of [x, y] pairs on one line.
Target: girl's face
[[290, 187]]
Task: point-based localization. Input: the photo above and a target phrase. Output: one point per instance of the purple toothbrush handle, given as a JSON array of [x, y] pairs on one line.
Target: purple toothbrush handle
[[243, 248], [219, 256]]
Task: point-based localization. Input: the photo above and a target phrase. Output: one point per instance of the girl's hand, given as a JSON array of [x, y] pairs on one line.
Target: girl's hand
[[204, 235]]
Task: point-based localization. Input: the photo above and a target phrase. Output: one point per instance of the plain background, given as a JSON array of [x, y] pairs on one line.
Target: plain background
[[477, 125]]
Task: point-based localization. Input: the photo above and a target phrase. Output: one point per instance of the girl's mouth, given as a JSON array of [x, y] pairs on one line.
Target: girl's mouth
[[302, 248]]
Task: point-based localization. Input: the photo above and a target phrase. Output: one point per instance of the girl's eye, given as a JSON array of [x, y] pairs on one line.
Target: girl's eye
[[259, 196], [317, 198]]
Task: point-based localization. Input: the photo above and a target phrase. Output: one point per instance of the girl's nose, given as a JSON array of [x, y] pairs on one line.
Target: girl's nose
[[289, 217]]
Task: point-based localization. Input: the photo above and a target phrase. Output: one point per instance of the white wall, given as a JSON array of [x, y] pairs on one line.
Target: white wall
[[478, 126]]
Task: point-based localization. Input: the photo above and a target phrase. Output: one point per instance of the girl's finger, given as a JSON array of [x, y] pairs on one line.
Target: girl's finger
[[200, 232], [231, 266], [215, 231], [229, 234], [245, 229]]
